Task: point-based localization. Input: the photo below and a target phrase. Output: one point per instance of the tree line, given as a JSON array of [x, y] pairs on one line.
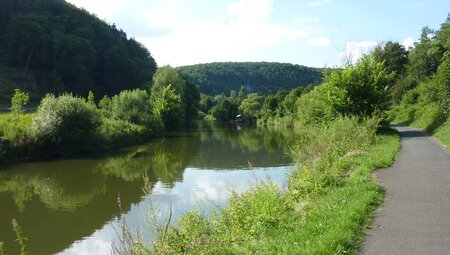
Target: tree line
[[262, 77]]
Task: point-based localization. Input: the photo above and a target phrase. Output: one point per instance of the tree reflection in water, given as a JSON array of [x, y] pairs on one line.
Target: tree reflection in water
[[59, 202]]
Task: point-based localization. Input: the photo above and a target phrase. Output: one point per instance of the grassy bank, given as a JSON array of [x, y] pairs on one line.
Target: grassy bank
[[329, 202]]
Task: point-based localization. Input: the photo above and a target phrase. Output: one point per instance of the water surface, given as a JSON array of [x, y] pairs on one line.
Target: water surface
[[70, 206]]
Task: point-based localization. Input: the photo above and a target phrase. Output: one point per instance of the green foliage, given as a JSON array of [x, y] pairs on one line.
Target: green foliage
[[105, 105], [226, 109], [427, 54], [65, 124], [121, 132], [261, 77], [91, 98], [359, 90], [168, 106], [393, 56], [443, 133], [183, 109], [330, 199], [21, 240], [130, 105], [60, 48], [426, 86], [167, 75], [288, 105], [400, 87], [19, 101], [192, 101], [15, 128], [251, 106]]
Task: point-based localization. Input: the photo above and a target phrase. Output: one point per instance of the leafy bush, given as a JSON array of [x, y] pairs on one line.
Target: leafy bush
[[65, 124], [251, 106], [360, 89], [121, 132], [18, 101], [168, 106], [130, 105]]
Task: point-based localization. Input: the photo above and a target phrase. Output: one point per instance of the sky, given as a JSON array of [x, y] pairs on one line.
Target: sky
[[307, 32]]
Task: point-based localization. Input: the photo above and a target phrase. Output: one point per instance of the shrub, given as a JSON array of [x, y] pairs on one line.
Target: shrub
[[168, 106], [66, 124], [18, 101], [131, 105], [360, 90], [115, 132]]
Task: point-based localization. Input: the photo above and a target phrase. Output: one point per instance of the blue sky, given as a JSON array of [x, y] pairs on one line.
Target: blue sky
[[307, 32]]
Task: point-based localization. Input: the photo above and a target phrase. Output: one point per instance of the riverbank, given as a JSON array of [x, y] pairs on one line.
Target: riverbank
[[19, 144], [329, 202]]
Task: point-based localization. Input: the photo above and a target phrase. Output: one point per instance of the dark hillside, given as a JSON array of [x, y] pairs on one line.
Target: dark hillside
[[54, 46], [263, 77]]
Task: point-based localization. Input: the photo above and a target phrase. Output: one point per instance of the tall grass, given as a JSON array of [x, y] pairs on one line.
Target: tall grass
[[328, 204], [15, 127]]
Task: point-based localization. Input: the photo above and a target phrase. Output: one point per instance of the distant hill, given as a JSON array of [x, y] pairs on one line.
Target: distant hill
[[263, 77], [53, 46]]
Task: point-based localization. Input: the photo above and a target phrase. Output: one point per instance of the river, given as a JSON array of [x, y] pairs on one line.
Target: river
[[70, 206]]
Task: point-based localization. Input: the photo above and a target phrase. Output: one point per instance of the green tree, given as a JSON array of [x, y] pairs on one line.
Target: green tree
[[91, 98], [192, 95], [170, 85], [393, 56], [167, 105], [359, 90], [225, 109], [288, 104], [132, 106], [251, 106], [19, 101], [426, 56], [270, 104]]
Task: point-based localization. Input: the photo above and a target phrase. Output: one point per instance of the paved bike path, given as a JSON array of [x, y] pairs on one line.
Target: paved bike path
[[415, 216]]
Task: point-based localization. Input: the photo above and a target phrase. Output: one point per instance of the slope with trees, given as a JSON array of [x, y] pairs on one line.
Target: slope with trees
[[422, 95], [53, 46], [262, 77]]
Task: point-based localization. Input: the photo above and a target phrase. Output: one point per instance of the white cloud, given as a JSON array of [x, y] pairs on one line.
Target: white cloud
[[249, 11], [355, 50], [103, 8], [321, 41], [243, 32], [408, 42]]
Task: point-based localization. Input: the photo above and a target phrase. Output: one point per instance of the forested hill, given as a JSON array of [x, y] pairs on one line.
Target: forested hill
[[263, 77], [53, 46]]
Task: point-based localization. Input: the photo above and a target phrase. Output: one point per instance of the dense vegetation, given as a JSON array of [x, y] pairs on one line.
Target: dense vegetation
[[331, 194], [262, 77], [421, 94], [68, 125], [52, 46]]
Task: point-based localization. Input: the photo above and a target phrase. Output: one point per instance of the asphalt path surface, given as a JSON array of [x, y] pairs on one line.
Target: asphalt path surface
[[415, 216]]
